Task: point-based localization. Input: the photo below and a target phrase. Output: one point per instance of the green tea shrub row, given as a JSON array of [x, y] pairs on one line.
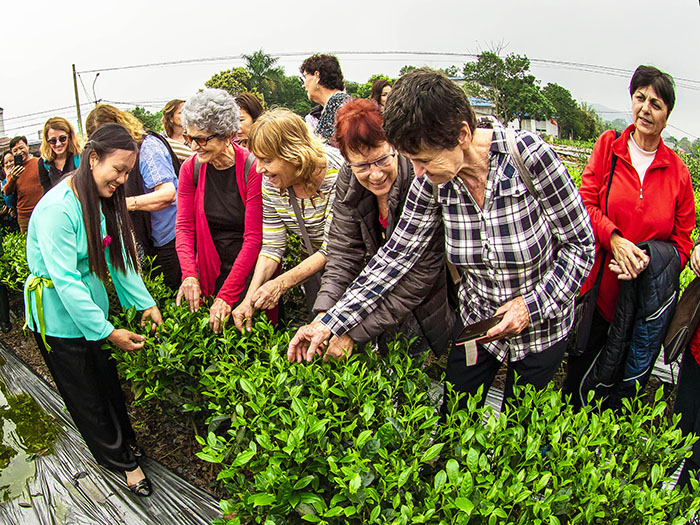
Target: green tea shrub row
[[13, 261]]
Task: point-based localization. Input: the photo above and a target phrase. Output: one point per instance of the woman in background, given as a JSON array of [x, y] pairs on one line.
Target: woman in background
[[324, 84], [172, 130], [60, 152], [380, 91], [251, 109]]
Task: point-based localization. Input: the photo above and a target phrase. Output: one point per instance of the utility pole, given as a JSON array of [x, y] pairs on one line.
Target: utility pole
[[77, 101]]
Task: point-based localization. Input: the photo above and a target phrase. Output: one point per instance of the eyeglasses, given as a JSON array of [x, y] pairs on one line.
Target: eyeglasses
[[363, 168], [201, 141], [55, 140]]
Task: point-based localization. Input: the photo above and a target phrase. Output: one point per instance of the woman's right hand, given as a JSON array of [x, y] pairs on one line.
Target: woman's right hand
[[190, 290], [126, 340], [244, 314], [629, 258], [695, 260]]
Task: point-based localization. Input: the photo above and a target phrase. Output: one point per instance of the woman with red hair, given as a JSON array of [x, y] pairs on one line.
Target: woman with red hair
[[370, 193]]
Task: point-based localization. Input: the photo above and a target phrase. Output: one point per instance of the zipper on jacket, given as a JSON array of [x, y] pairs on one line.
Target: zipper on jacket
[[641, 194]]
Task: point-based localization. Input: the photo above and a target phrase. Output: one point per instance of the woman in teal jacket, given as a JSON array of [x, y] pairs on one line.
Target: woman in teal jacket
[[80, 234]]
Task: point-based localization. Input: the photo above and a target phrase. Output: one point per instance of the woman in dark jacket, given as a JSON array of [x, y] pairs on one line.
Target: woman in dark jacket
[[60, 152], [370, 194]]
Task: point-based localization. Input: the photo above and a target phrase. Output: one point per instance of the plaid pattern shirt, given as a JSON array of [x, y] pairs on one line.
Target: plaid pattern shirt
[[539, 247]]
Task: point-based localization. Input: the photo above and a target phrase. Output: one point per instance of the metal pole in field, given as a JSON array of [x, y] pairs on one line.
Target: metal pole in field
[[77, 101]]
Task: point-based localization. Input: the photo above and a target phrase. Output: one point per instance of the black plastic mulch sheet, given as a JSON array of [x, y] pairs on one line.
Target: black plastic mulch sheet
[[71, 488]]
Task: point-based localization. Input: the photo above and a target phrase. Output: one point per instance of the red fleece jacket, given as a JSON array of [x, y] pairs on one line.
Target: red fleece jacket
[[663, 208]]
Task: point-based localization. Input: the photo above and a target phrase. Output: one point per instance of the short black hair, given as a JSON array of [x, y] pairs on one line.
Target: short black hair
[[662, 83], [328, 67], [426, 109], [17, 139]]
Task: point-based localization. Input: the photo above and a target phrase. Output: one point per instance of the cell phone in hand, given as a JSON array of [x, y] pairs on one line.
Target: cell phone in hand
[[478, 329], [19, 160]]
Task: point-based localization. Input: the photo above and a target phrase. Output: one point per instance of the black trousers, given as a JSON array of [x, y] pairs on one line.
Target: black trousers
[[4, 305], [577, 366], [535, 369], [87, 380], [166, 258], [688, 406]]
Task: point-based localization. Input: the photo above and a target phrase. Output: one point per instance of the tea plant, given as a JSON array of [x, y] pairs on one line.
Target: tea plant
[[13, 262]]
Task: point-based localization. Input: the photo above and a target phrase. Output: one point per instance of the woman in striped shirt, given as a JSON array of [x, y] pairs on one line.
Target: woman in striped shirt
[[298, 172]]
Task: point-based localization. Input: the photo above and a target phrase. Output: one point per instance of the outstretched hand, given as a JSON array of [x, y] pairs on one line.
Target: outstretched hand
[[309, 340]]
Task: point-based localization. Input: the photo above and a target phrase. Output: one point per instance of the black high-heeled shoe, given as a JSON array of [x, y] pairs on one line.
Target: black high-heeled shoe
[[143, 488]]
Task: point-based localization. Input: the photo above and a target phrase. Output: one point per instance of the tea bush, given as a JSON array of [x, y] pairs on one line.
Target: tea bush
[[362, 442], [13, 262]]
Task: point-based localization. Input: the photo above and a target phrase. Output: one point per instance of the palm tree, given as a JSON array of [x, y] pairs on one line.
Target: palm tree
[[264, 73]]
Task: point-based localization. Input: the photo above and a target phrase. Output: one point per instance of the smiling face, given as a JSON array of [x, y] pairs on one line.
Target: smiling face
[[112, 170], [21, 148], [439, 165], [206, 150], [376, 178], [8, 162], [280, 173], [650, 112], [58, 140]]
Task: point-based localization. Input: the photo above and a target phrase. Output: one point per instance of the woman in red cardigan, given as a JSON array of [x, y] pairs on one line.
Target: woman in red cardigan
[[218, 232], [651, 197]]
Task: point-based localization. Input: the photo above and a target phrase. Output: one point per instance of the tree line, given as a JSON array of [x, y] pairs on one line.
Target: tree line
[[505, 81]]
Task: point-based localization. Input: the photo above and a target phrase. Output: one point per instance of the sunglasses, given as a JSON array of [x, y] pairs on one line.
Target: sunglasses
[[55, 140], [201, 141], [363, 168]]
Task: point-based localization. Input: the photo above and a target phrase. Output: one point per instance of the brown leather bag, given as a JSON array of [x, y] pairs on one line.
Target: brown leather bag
[[684, 323]]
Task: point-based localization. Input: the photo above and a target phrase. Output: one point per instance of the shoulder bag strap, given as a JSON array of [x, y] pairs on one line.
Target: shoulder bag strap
[[300, 221], [247, 167], [195, 173], [315, 278], [520, 165], [613, 162]]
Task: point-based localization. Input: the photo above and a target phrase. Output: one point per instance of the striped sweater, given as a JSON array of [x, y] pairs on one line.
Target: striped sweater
[[278, 214]]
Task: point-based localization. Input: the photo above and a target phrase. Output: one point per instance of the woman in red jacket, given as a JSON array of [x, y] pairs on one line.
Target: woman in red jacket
[[218, 231], [651, 197]]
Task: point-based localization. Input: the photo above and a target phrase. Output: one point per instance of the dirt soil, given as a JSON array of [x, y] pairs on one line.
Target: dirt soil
[[164, 438]]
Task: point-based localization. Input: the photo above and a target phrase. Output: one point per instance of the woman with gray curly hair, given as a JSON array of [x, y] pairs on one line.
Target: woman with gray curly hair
[[218, 232]]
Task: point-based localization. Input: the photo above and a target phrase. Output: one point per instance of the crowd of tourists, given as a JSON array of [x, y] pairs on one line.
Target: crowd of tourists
[[467, 238]]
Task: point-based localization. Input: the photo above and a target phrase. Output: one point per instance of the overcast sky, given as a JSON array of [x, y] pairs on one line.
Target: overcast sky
[[40, 40]]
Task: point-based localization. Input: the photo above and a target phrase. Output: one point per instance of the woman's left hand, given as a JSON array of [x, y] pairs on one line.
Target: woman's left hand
[[218, 314], [268, 295], [153, 314], [516, 318]]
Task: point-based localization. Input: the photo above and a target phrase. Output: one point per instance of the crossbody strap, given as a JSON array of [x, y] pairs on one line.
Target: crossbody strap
[[297, 215], [519, 164]]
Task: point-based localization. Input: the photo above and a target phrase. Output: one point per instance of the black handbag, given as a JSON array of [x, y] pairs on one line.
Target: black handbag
[[584, 307]]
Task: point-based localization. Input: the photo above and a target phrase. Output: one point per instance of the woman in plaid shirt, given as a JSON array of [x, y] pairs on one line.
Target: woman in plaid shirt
[[522, 255]]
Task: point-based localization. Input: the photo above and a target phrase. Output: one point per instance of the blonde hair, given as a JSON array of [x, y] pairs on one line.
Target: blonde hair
[[281, 133], [104, 113], [168, 112], [59, 124]]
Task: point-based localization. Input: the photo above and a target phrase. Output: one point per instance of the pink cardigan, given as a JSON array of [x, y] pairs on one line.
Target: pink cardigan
[[192, 230]]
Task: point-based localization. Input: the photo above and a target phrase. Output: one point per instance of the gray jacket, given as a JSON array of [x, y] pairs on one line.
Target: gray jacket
[[355, 236]]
